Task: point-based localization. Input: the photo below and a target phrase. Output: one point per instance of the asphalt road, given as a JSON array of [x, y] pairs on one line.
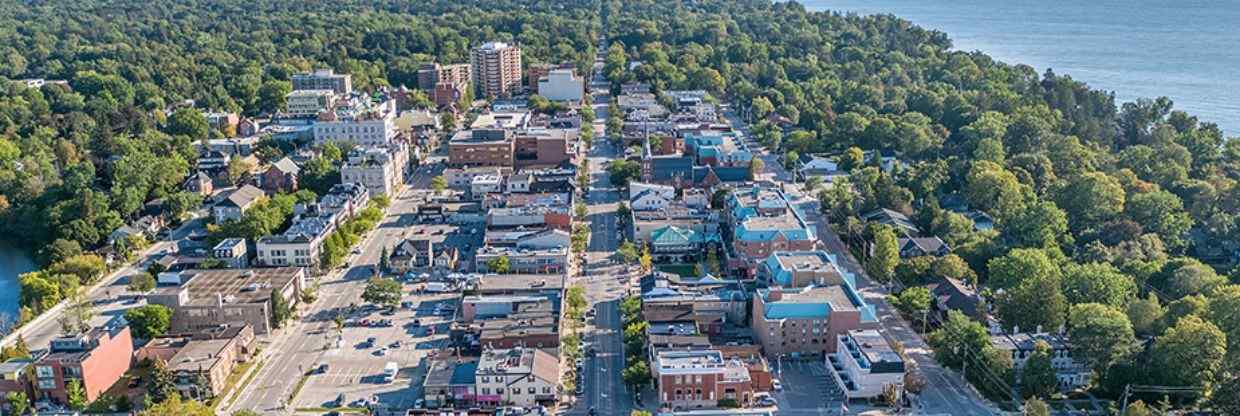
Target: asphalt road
[[108, 296], [293, 349]]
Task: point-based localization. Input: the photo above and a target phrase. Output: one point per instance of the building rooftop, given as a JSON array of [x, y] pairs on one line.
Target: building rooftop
[[234, 285], [502, 120], [197, 355], [518, 283], [533, 361], [879, 356]]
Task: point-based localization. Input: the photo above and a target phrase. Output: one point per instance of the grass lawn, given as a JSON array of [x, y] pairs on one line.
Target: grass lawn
[[230, 385], [685, 270]]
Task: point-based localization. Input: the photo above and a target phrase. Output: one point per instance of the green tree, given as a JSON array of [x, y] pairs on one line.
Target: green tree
[[176, 406], [382, 291], [162, 385], [1163, 213], [953, 267], [1101, 335], [621, 172], [281, 310], [188, 122], [1020, 265], [1225, 399], [636, 375], [76, 394], [1036, 407], [1091, 199], [628, 252], [645, 260], [993, 189], [18, 403], [181, 203], [756, 166], [1223, 310], [957, 338], [499, 265], [149, 321], [852, 159], [1037, 377], [1038, 225], [271, 95], [1145, 314], [1097, 283], [1190, 353], [914, 301], [1032, 303], [1138, 408], [439, 184], [885, 255]]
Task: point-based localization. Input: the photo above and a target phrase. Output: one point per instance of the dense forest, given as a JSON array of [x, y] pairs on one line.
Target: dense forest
[[1104, 211], [76, 162]]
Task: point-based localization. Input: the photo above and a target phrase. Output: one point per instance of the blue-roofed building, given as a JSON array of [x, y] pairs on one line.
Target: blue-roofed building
[[715, 148], [803, 268], [763, 222], [807, 321]]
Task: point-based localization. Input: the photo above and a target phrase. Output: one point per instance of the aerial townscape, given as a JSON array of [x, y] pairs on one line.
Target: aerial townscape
[[593, 208]]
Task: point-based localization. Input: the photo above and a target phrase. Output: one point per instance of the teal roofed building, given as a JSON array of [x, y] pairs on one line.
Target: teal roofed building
[[672, 244], [803, 268], [764, 222]]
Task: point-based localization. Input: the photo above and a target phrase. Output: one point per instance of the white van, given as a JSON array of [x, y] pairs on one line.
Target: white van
[[389, 371]]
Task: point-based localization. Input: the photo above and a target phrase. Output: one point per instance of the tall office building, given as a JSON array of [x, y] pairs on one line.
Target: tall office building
[[497, 69]]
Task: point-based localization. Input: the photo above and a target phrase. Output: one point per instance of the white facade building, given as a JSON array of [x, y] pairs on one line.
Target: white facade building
[[523, 377], [561, 85], [380, 169], [865, 364], [485, 184], [358, 121]]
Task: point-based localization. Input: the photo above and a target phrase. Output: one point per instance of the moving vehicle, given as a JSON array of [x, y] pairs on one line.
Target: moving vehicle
[[389, 371]]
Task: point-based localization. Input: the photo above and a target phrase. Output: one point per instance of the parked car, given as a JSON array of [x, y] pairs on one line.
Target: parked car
[[775, 384]]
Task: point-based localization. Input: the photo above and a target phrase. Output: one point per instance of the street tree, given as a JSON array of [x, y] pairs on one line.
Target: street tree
[[76, 394], [756, 166], [439, 184], [882, 263], [914, 302], [957, 338], [382, 291], [176, 406], [18, 402], [628, 252], [281, 310], [636, 375], [1036, 407]]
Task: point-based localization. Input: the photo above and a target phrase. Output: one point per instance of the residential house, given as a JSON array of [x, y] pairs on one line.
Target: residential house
[[899, 222], [1069, 372], [280, 177], [232, 252], [236, 202], [922, 246], [199, 183]]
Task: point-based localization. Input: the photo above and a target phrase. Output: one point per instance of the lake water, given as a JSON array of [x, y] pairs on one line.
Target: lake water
[[13, 262], [1187, 50]]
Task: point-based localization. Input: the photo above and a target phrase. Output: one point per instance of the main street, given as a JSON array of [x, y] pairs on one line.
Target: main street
[[605, 282], [291, 351]]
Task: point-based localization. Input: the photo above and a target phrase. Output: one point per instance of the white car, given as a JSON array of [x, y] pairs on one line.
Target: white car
[[775, 384]]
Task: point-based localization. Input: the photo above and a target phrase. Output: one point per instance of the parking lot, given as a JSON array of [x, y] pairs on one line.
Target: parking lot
[[355, 365], [807, 386]]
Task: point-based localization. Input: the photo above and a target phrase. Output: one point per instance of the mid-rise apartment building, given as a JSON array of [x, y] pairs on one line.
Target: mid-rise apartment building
[[562, 85], [308, 103], [806, 321], [496, 69], [445, 84], [801, 269], [381, 169], [481, 147], [95, 359], [323, 79]]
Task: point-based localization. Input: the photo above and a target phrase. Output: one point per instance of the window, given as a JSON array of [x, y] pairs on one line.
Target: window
[[546, 390], [44, 371], [532, 390], [486, 390], [486, 379], [516, 390]]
